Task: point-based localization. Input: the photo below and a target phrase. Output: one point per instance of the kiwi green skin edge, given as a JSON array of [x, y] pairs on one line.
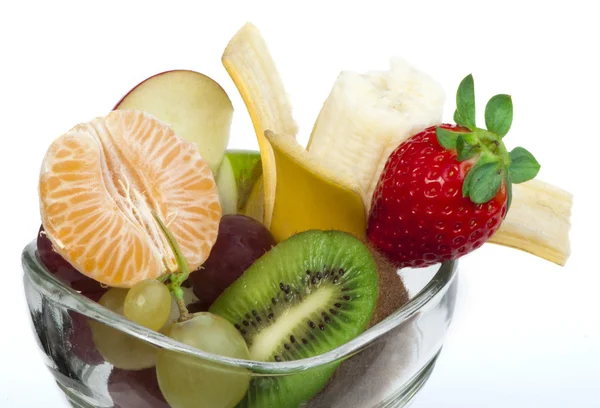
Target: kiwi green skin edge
[[309, 250]]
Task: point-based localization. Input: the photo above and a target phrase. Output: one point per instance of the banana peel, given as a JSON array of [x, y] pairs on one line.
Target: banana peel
[[292, 194], [252, 69], [310, 196], [367, 115]]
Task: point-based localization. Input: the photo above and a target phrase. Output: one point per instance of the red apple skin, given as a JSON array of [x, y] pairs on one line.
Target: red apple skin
[[154, 76]]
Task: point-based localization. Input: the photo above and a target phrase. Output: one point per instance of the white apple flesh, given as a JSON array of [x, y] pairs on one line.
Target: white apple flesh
[[228, 188]]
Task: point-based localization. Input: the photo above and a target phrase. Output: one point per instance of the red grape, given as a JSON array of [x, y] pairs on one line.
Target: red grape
[[135, 389], [62, 269], [198, 306], [80, 336], [241, 241], [82, 344]]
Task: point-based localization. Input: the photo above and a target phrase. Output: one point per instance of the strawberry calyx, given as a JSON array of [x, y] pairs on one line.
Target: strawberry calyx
[[493, 165]]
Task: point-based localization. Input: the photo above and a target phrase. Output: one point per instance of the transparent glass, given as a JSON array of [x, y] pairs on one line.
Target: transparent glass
[[383, 367]]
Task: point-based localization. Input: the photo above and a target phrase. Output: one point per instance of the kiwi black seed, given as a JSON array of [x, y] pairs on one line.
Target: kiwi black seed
[[308, 295]]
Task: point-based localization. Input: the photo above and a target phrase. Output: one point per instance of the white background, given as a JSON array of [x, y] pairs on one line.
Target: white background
[[526, 332]]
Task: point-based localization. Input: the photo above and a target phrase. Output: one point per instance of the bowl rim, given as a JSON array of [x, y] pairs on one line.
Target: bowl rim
[[49, 286]]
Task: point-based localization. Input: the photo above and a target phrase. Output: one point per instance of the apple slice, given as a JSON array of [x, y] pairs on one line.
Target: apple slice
[[195, 106], [255, 206], [238, 174], [227, 186]]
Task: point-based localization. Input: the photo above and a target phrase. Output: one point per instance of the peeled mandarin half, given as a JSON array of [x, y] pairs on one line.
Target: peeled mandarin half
[[99, 185]]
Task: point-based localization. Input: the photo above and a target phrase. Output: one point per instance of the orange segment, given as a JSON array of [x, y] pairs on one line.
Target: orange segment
[[101, 181]]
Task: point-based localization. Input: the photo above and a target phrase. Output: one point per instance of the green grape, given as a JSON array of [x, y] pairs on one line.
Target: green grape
[[194, 383], [148, 303], [120, 349]]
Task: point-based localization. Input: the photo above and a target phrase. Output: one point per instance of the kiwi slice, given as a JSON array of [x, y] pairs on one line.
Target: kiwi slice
[[310, 294]]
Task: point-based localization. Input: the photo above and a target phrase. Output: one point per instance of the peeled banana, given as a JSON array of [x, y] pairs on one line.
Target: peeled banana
[[538, 221], [366, 116]]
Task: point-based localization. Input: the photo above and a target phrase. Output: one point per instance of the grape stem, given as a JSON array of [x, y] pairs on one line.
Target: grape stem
[[184, 314], [177, 278]]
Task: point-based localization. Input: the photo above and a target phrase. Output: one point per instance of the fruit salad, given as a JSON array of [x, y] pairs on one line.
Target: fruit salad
[[284, 253]]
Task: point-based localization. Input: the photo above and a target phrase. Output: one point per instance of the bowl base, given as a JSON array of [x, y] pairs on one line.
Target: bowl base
[[77, 399], [402, 399]]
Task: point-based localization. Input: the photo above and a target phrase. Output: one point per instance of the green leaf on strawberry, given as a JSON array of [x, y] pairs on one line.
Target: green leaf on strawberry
[[523, 166], [485, 182], [465, 103], [446, 138], [464, 149], [499, 114], [492, 165], [467, 180]]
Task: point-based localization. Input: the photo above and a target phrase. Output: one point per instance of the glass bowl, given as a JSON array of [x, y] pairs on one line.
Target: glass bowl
[[383, 367]]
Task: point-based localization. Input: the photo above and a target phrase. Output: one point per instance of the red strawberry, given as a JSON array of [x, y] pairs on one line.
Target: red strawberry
[[445, 191]]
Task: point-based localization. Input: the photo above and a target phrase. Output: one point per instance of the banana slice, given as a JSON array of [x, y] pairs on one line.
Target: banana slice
[[366, 116], [538, 221], [251, 67], [310, 196]]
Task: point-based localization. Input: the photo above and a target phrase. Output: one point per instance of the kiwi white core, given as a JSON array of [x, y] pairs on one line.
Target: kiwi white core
[[271, 337]]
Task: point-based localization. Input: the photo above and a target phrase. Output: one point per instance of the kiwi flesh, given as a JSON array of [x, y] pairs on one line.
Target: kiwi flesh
[[308, 295]]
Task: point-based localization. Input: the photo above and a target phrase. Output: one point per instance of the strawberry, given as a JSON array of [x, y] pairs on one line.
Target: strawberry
[[446, 190]]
